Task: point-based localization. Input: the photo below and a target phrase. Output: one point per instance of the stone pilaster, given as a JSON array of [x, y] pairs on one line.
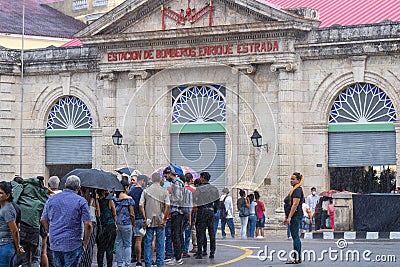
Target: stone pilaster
[[286, 127], [247, 157], [397, 129], [9, 137], [109, 155]]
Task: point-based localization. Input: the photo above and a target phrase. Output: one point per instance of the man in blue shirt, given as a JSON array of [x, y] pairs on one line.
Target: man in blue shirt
[[136, 192], [63, 217]]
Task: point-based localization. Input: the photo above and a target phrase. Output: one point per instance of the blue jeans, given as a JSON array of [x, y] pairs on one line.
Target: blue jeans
[[169, 251], [216, 221], [67, 259], [186, 235], [230, 225], [7, 253], [148, 238], [294, 231], [123, 242], [251, 226]]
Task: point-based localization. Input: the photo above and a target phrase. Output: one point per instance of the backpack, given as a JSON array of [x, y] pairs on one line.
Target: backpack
[[187, 201], [223, 212]]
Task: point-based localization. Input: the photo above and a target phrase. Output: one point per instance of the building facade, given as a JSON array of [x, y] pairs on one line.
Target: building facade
[[188, 84]]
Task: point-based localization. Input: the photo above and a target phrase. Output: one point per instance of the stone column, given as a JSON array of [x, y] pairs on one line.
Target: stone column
[[286, 129]]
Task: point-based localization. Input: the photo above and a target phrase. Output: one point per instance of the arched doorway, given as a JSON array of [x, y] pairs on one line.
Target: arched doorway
[[68, 136], [198, 129], [362, 140]]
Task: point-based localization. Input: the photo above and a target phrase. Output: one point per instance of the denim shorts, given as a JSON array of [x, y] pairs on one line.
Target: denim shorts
[[261, 222], [138, 225]]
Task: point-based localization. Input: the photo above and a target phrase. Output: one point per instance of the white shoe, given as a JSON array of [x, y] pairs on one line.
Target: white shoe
[[175, 262]]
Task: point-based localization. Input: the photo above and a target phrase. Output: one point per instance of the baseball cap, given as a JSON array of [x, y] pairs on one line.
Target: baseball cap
[[169, 169]]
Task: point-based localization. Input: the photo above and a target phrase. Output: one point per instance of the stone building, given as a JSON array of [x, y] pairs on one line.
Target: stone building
[[189, 84]]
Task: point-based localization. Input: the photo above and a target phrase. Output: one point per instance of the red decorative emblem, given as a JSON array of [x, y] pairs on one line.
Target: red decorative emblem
[[190, 14]]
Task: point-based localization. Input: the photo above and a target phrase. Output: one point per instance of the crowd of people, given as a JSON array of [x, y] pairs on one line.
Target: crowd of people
[[151, 224]]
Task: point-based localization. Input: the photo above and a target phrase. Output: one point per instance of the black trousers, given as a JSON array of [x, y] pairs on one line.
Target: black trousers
[[205, 220], [177, 234], [105, 245]]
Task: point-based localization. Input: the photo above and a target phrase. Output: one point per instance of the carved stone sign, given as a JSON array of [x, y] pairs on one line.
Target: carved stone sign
[[195, 51]]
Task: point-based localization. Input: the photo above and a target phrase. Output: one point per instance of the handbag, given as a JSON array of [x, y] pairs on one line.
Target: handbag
[[244, 212]]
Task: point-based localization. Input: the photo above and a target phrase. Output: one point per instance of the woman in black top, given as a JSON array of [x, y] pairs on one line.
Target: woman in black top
[[294, 214]]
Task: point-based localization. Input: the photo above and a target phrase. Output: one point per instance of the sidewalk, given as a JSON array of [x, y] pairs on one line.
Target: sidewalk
[[359, 235]]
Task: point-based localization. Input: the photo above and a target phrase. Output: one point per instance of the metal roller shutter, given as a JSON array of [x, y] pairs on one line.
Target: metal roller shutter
[[351, 149], [68, 150], [201, 152]]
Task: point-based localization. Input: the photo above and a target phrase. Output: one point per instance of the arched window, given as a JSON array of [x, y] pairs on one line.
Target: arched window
[[362, 103], [68, 136], [198, 104], [69, 113], [361, 129]]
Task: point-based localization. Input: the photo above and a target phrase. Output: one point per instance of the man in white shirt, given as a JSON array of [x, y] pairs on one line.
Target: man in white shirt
[[312, 201], [229, 217]]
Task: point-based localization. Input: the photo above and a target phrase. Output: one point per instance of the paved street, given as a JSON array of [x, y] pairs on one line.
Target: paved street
[[327, 253]]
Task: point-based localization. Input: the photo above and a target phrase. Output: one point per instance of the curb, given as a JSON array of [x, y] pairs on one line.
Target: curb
[[351, 235]]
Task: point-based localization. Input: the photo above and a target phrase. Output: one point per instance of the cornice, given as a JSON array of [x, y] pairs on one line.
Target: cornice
[[238, 32]]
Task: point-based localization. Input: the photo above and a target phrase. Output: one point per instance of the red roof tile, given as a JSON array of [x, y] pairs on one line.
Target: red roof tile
[[347, 12], [40, 19], [73, 42]]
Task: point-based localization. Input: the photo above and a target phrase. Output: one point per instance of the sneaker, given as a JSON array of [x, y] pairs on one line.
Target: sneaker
[[211, 256], [170, 262], [204, 253], [185, 255], [153, 264], [138, 264], [167, 260], [175, 262]]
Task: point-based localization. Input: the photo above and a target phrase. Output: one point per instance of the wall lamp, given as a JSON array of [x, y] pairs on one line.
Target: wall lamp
[[256, 140], [117, 139]]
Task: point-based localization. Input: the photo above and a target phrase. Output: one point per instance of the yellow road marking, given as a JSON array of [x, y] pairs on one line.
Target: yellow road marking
[[247, 253]]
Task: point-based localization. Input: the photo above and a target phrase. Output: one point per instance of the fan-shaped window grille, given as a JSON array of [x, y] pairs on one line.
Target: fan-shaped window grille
[[362, 103], [198, 104], [69, 113]]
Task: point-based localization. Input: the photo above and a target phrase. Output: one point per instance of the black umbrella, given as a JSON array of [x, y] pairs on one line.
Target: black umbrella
[[96, 178], [125, 170]]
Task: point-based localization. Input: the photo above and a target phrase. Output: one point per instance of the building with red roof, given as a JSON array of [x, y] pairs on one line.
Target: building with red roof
[[44, 26], [346, 12]]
